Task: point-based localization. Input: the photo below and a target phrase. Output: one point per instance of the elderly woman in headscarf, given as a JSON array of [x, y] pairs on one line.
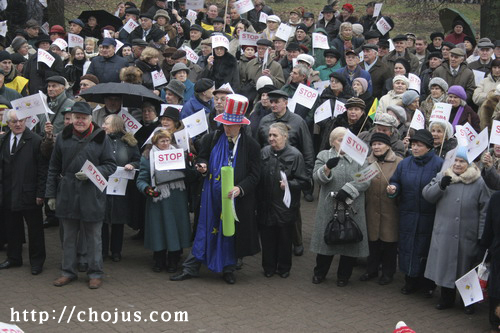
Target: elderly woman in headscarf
[[410, 102], [402, 123], [438, 88], [334, 170], [401, 67], [360, 87], [444, 141], [461, 113], [167, 229], [461, 199], [400, 86]]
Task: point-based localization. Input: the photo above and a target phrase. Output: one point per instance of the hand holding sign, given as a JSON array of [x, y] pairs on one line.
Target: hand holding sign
[[94, 175]]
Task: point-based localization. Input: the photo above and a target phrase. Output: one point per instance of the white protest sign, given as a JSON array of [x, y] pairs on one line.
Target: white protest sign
[[321, 85], [182, 139], [45, 57], [248, 38], [116, 186], [294, 62], [320, 41], [367, 173], [243, 6], [227, 86], [196, 123], [376, 9], [94, 175], [440, 112], [130, 25], [29, 106], [391, 45], [32, 121], [121, 172], [3, 28], [194, 4], [478, 76], [170, 159], [131, 124], [159, 78], [324, 111], [191, 16], [10, 328], [461, 136], [86, 66], [478, 145], [284, 31], [190, 54], [220, 41], [107, 33], [60, 43], [75, 40], [339, 108], [305, 95], [165, 106], [43, 3], [118, 45], [414, 82], [3, 4], [45, 28], [287, 197], [354, 147], [263, 17], [418, 120], [43, 97], [469, 288], [468, 132], [361, 56], [383, 26], [291, 105], [266, 58], [495, 133]]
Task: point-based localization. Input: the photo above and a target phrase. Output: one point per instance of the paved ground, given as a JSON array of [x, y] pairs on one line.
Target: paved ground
[[253, 304]]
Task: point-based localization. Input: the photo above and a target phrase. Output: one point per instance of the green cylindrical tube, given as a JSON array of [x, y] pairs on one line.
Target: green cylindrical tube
[[227, 184]]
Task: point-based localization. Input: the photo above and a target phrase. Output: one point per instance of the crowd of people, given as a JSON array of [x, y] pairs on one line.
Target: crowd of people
[[430, 210]]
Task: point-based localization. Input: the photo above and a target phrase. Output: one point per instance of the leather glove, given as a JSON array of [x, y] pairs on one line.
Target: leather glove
[[150, 192], [81, 176], [342, 196], [445, 181], [52, 204], [332, 162]]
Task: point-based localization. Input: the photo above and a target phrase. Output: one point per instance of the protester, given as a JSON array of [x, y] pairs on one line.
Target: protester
[[461, 113], [438, 94]]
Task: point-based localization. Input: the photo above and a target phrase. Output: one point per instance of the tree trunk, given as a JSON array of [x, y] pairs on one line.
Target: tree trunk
[[490, 24], [56, 12]]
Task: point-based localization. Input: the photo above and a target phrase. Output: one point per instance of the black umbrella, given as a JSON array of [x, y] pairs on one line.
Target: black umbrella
[[133, 95], [103, 18]]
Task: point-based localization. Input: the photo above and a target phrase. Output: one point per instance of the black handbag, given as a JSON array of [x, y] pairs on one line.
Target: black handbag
[[165, 176], [342, 229]]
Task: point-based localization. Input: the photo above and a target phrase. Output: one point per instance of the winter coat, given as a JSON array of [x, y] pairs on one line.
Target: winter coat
[[358, 72], [458, 225], [464, 78], [189, 91], [382, 215], [428, 104], [448, 145], [253, 72], [271, 210], [125, 151], [341, 121], [485, 87], [468, 116], [306, 113], [489, 110], [479, 66], [391, 57], [60, 103], [338, 44], [253, 16], [196, 47], [391, 98], [8, 93], [73, 72], [332, 27], [491, 241], [368, 99], [194, 104], [28, 171], [307, 42], [416, 215], [107, 69], [341, 177], [224, 70], [255, 116], [379, 73], [77, 199], [246, 176], [37, 72], [298, 135], [325, 71], [138, 33]]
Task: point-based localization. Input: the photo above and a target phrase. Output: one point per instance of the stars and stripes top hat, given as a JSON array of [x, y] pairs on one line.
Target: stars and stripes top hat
[[234, 112]]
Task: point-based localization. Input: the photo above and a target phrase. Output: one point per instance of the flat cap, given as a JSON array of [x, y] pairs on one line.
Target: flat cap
[[58, 79], [275, 94], [82, 107], [203, 85]]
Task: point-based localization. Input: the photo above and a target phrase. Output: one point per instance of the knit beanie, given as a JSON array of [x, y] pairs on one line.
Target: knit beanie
[[409, 97], [363, 83], [437, 81]]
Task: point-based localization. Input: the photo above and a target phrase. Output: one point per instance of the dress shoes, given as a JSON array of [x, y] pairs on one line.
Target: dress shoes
[[442, 305], [318, 279], [298, 250], [384, 280], [95, 283], [63, 280], [368, 276], [8, 264], [83, 267], [268, 274], [285, 275], [342, 282], [229, 278], [408, 289], [35, 270], [116, 257], [181, 277]]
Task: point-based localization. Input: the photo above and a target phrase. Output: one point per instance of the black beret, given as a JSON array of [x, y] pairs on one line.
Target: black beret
[[435, 54], [332, 52], [293, 47], [448, 44], [383, 43], [437, 34], [203, 85], [218, 19], [339, 77], [4, 55], [172, 113], [380, 137], [146, 15], [132, 10], [372, 34], [196, 27]]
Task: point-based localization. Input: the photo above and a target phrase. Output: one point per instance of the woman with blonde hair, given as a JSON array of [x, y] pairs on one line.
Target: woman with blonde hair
[[148, 63], [91, 49], [74, 69]]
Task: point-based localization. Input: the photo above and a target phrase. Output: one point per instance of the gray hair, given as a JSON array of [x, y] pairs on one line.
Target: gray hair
[[281, 127], [303, 70], [345, 25], [7, 115], [338, 131]]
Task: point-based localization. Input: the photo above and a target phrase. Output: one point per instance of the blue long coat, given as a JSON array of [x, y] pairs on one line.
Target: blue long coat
[[416, 215]]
